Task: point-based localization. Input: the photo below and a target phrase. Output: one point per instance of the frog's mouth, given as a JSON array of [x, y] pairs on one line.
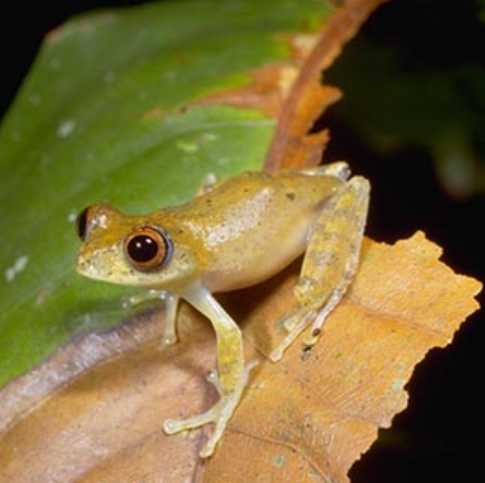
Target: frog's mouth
[[103, 265], [87, 268], [109, 265]]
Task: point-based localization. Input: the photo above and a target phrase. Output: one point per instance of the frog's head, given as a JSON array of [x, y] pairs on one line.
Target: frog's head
[[131, 250]]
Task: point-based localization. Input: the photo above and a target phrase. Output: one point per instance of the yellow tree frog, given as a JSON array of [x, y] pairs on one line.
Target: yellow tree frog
[[233, 235]]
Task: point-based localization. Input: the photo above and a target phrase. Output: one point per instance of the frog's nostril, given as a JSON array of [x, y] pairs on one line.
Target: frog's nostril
[[81, 224]]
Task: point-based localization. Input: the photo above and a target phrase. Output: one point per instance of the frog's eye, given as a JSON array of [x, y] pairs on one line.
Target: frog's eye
[[82, 224], [148, 248]]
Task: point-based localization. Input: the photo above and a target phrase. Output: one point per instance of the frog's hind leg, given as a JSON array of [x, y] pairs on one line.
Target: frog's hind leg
[[330, 262]]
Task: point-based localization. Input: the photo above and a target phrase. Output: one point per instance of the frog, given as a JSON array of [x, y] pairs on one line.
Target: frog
[[234, 234]]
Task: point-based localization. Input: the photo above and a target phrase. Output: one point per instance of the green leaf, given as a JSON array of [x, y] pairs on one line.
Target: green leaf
[[109, 113]]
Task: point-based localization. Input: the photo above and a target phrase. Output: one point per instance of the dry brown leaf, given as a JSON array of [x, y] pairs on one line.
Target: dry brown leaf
[[266, 92], [307, 418], [292, 145]]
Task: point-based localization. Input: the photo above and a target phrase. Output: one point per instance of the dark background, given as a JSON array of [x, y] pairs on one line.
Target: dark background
[[435, 439]]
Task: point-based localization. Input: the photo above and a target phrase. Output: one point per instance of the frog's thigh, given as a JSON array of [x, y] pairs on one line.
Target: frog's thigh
[[333, 249], [330, 262]]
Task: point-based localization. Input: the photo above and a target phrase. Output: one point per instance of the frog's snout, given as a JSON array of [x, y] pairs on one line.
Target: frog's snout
[[83, 266], [88, 262]]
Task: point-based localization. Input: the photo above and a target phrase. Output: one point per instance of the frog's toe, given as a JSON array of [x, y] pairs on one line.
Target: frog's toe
[[168, 340], [290, 320], [172, 426], [127, 302], [213, 378], [289, 323], [295, 324], [219, 414]]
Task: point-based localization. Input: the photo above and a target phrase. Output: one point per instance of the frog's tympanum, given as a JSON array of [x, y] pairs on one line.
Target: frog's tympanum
[[233, 235]]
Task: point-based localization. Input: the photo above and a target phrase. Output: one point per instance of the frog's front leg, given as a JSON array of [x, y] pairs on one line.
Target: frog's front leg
[[330, 262], [231, 377], [171, 302]]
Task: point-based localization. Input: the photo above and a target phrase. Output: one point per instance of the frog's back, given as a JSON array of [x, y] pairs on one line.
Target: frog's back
[[255, 224], [257, 194]]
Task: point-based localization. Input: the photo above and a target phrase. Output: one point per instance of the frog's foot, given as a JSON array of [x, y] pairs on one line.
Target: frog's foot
[[168, 340], [219, 414], [295, 324], [213, 378], [170, 300], [301, 318], [292, 320], [320, 319]]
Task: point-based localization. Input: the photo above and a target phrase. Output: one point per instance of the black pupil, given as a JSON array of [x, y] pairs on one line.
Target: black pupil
[[142, 248], [82, 220]]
